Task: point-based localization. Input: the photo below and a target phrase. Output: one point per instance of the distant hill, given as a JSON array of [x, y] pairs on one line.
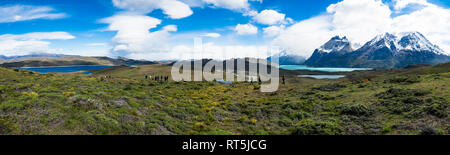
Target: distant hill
[[383, 51], [126, 61], [64, 60], [40, 55]]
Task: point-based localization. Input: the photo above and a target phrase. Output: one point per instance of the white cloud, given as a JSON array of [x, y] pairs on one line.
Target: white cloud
[[273, 30], [38, 36], [288, 21], [303, 37], [36, 42], [246, 29], [251, 13], [400, 4], [361, 20], [269, 17], [218, 52], [212, 35], [229, 4], [17, 13], [173, 8], [170, 28], [176, 9], [133, 37], [235, 5]]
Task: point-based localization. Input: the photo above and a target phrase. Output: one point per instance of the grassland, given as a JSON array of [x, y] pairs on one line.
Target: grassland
[[404, 101]]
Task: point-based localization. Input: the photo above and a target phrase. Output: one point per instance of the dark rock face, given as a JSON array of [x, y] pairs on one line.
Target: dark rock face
[[384, 51], [331, 54]]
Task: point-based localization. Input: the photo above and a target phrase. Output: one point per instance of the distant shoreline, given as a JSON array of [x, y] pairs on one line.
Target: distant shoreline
[[65, 66]]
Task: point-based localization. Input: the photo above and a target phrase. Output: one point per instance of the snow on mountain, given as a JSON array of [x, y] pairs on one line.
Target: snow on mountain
[[404, 41], [336, 44], [415, 41], [331, 53], [383, 51]]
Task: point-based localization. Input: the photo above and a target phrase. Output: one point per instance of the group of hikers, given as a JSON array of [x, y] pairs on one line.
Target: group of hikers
[[158, 78], [166, 79]]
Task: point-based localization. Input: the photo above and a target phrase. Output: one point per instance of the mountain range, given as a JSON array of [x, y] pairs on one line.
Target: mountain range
[[384, 51], [36, 55], [39, 60]]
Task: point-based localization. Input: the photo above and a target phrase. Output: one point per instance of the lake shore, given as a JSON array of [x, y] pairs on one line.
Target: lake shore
[[63, 66]]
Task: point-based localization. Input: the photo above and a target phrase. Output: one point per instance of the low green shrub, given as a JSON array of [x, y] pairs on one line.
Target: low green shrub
[[403, 80], [395, 92], [355, 109], [311, 127], [330, 87]]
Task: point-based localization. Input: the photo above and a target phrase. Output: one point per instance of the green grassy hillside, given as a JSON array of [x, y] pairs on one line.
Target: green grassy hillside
[[412, 102]]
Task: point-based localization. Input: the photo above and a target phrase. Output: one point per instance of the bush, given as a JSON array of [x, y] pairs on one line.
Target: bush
[[310, 127], [355, 109], [285, 122], [6, 127], [330, 87], [437, 110], [13, 105], [412, 100], [99, 123], [404, 80], [429, 131], [300, 115], [218, 132], [30, 94], [394, 92]]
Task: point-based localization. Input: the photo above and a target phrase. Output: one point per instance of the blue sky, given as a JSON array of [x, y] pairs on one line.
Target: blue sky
[[96, 27]]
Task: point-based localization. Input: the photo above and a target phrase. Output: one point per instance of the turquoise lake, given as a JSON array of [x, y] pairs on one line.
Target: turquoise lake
[[325, 69], [323, 76]]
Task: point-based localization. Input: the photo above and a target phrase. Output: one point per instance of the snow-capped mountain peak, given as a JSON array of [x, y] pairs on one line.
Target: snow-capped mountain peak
[[404, 41], [388, 50], [336, 44], [415, 41], [383, 40]]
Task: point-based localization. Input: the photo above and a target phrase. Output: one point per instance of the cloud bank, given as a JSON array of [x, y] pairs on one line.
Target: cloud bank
[[133, 38], [269, 17], [137, 36], [173, 8], [246, 29], [18, 13], [36, 42]]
